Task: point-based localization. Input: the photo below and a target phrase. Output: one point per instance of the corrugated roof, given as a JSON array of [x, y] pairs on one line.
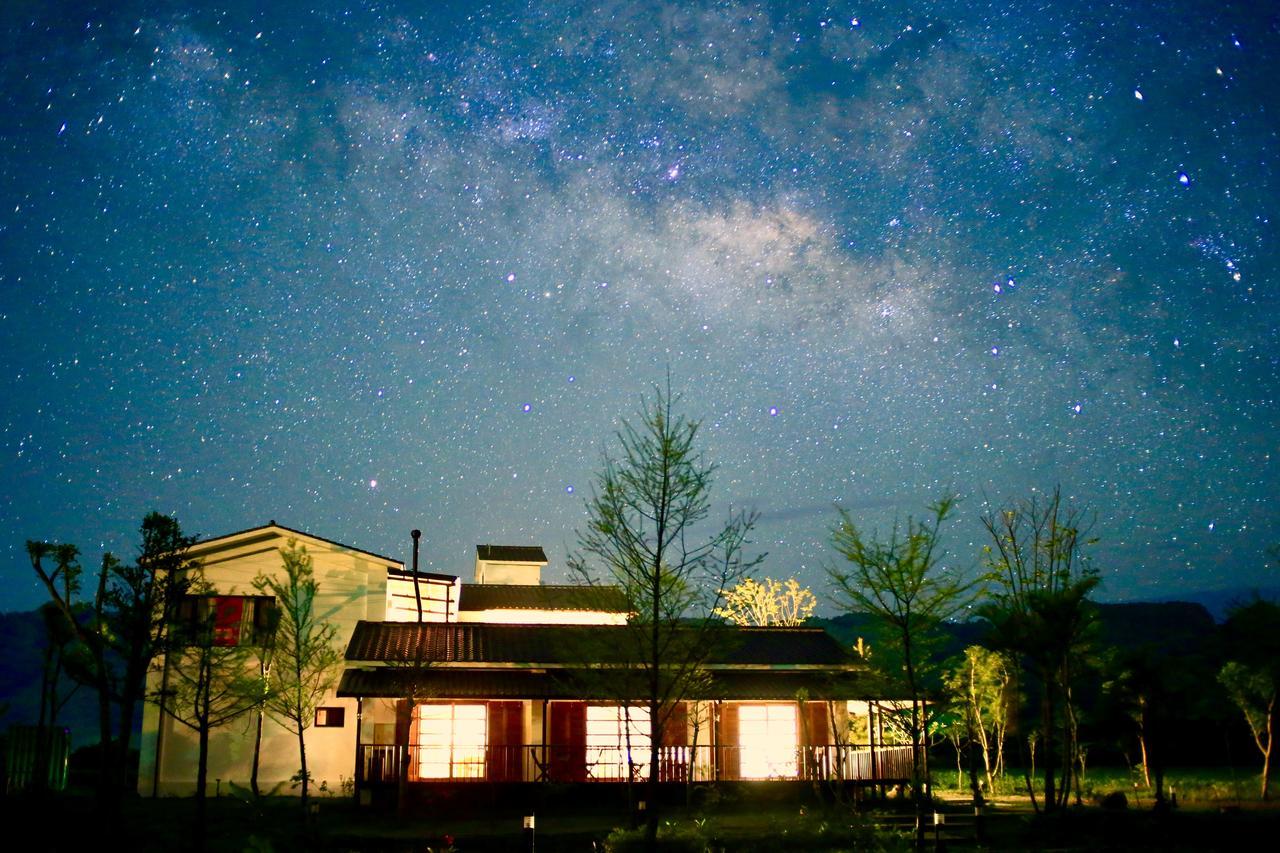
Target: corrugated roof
[[502, 596], [389, 683], [560, 645], [511, 553]]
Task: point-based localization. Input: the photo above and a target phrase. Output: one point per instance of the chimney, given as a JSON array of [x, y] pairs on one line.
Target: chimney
[[510, 564]]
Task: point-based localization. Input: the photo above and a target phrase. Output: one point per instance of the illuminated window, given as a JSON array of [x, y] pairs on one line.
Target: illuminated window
[[767, 738], [331, 718], [607, 741], [451, 741]]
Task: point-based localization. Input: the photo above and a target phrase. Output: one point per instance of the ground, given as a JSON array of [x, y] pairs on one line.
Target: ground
[[1209, 817]]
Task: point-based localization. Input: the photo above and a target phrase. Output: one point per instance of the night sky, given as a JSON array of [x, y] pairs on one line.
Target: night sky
[[361, 268]]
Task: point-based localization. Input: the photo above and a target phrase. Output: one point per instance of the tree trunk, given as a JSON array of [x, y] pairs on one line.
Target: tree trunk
[[651, 794], [302, 758], [257, 756], [1047, 724], [107, 785], [1029, 772], [1266, 753], [1142, 747], [128, 705], [202, 782]]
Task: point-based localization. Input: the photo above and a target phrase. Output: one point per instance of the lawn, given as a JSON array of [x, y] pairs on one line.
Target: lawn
[[1216, 812], [1212, 787]]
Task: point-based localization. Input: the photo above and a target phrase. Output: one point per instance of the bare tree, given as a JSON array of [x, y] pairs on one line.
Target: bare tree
[[644, 534], [904, 583], [305, 661]]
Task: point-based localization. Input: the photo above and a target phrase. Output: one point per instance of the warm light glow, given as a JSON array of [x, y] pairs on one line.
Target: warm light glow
[[767, 737], [451, 741], [607, 741]]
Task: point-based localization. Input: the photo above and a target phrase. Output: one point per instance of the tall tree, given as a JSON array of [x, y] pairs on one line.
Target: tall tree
[[60, 645], [1040, 613], [123, 629], [305, 661], [903, 582], [983, 686], [1252, 674], [140, 604], [751, 602], [212, 680], [645, 534]]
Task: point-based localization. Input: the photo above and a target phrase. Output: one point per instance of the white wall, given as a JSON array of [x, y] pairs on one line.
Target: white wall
[[352, 587]]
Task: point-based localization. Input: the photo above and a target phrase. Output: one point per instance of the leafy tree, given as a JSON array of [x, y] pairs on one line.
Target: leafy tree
[[983, 684], [60, 645], [141, 603], [1149, 688], [903, 582], [210, 681], [121, 632], [644, 520], [1252, 675], [750, 602], [1040, 613], [306, 662]]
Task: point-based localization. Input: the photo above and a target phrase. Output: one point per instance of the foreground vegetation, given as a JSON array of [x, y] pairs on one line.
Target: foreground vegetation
[[1215, 811]]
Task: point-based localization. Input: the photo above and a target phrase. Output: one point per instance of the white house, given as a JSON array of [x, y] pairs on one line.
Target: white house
[[499, 694]]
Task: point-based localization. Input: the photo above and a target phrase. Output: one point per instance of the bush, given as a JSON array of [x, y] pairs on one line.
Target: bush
[[675, 837], [807, 833]]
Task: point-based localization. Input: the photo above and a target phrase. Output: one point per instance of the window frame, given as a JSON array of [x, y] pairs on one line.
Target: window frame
[[465, 758], [605, 737], [329, 714]]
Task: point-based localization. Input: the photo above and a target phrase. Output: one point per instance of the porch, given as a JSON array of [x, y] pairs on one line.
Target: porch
[[380, 764]]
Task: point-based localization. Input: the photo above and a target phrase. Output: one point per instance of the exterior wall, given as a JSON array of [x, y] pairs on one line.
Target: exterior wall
[[439, 599], [543, 617], [352, 587], [522, 574]]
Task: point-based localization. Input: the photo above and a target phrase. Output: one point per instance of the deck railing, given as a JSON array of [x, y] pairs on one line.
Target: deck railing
[[704, 763]]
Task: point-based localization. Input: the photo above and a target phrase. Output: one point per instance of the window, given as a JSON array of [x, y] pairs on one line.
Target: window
[[767, 741], [607, 727], [226, 620], [451, 741], [334, 718]]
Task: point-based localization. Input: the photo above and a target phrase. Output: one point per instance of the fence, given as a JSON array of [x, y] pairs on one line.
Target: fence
[[575, 763]]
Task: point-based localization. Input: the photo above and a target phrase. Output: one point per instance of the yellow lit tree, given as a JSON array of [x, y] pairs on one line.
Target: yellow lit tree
[[751, 602]]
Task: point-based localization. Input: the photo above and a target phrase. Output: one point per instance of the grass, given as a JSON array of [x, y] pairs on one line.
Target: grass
[[1210, 817], [1214, 787]]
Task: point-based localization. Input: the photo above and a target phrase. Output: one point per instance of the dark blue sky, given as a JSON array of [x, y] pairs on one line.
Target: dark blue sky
[[363, 268]]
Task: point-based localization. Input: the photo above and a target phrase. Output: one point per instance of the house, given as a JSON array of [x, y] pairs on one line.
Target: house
[[505, 679]]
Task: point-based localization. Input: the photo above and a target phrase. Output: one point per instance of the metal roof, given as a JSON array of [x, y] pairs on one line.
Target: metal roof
[[511, 553], [502, 596], [390, 683], [483, 644]]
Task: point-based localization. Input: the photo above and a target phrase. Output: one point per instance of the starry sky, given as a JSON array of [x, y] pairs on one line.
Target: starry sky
[[364, 267]]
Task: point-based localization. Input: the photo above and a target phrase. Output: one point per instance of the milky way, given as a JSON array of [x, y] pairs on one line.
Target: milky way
[[361, 269]]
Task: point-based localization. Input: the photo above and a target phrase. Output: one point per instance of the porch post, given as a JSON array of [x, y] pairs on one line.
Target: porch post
[[542, 768], [359, 774]]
